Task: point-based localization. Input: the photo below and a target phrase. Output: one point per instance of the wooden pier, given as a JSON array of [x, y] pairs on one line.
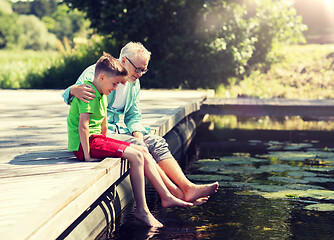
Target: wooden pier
[[45, 192], [278, 107]]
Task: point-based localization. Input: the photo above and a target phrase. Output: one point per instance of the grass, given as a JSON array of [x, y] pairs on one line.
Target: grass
[[302, 72], [16, 65]]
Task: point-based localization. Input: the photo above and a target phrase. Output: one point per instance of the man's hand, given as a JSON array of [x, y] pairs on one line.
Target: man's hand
[[138, 135], [84, 92]]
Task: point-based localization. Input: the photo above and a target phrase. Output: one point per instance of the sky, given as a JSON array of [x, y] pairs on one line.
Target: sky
[[317, 14]]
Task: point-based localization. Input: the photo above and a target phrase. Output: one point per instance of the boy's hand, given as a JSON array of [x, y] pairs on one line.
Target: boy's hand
[[84, 92], [90, 159]]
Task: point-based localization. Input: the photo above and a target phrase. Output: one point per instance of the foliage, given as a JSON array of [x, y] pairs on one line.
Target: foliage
[[302, 71], [35, 35], [17, 64], [66, 23], [39, 8], [5, 7], [196, 43], [68, 68], [57, 18], [9, 32]]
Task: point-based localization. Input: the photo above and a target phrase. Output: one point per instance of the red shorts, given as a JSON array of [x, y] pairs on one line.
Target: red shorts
[[102, 147]]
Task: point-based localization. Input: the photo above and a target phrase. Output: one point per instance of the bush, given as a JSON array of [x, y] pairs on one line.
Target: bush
[[68, 68], [17, 64], [10, 32], [35, 34]]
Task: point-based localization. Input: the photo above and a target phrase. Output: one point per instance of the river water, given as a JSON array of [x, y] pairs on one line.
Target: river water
[[275, 183]]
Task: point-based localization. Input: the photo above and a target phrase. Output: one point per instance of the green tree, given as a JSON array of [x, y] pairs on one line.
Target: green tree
[[9, 31], [194, 43], [35, 34], [68, 23], [41, 8]]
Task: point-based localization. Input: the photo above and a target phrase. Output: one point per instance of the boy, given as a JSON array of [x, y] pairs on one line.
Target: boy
[[87, 128]]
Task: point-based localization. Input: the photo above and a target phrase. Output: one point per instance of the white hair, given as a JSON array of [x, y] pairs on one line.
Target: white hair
[[132, 49]]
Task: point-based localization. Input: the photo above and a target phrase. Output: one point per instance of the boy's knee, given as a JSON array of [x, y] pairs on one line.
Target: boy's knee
[[139, 157]]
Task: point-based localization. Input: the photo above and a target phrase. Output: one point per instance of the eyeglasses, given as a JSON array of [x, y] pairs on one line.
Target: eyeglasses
[[138, 70]]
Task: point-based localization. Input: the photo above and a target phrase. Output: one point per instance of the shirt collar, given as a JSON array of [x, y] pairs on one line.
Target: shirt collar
[[97, 94]]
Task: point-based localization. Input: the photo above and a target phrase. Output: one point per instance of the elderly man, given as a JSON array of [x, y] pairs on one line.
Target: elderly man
[[135, 58]]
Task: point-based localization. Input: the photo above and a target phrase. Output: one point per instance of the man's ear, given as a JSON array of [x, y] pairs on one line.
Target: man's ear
[[123, 61]]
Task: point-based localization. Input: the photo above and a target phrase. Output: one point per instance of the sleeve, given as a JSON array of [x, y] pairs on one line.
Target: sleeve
[[132, 118], [86, 107], [87, 75]]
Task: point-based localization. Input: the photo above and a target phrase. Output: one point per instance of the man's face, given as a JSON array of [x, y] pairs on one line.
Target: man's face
[[133, 63]]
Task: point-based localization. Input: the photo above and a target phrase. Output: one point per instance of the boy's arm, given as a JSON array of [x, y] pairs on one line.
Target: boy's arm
[[84, 136], [104, 126]]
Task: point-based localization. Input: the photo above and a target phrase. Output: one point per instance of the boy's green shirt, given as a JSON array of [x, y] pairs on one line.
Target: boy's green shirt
[[97, 110]]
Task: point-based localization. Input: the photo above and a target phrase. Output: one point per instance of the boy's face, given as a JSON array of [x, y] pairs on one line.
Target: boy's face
[[139, 61], [110, 82]]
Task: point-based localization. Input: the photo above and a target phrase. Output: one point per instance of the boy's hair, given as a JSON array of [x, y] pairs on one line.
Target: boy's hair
[[132, 49], [110, 65]]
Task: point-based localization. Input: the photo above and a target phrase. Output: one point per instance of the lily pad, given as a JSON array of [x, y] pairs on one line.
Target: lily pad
[[277, 168], [297, 146], [206, 162], [318, 179], [323, 207], [289, 155], [311, 193], [209, 178], [275, 143], [269, 188], [287, 180], [301, 174], [277, 188], [208, 165], [271, 148], [233, 170], [241, 160], [321, 154], [319, 168]]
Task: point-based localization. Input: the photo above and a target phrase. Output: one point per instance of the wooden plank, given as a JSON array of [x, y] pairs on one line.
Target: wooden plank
[[269, 107], [75, 200]]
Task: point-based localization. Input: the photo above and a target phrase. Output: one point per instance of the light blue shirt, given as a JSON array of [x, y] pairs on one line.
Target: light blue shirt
[[131, 111]]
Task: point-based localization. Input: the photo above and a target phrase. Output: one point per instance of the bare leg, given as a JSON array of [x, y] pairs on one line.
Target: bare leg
[[152, 174], [191, 191], [175, 190], [142, 211]]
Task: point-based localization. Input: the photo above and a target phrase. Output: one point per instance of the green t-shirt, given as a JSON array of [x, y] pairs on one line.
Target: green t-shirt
[[97, 110]]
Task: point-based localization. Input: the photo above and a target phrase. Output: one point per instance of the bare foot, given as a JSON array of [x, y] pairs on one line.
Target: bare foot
[[198, 191], [147, 218], [172, 201], [201, 201]]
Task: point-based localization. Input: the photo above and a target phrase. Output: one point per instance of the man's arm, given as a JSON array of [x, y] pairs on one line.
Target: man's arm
[[84, 136]]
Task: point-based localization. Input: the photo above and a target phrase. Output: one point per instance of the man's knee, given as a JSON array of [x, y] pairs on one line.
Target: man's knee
[[137, 141], [157, 147]]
